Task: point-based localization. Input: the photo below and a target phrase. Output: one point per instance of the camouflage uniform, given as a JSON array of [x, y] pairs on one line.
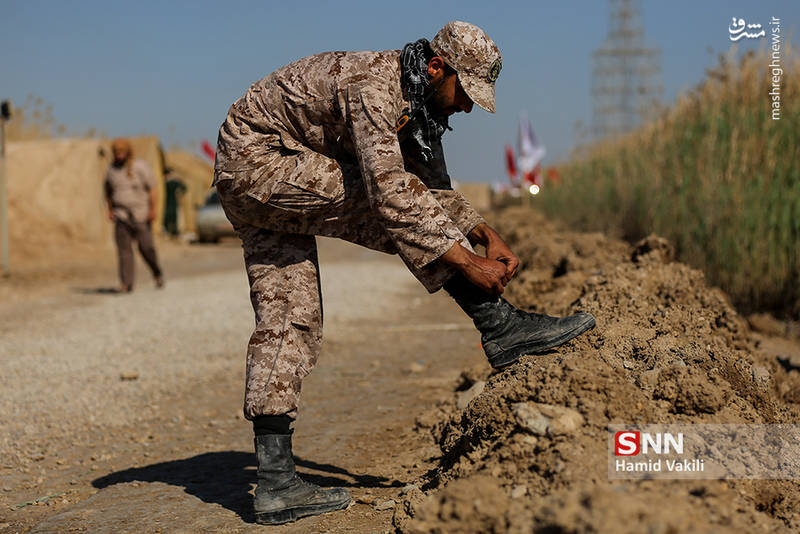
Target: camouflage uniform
[[312, 150]]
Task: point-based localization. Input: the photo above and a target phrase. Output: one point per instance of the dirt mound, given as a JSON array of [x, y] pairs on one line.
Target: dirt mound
[[667, 349]]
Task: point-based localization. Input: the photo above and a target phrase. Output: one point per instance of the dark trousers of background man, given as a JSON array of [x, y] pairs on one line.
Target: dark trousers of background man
[[124, 234]]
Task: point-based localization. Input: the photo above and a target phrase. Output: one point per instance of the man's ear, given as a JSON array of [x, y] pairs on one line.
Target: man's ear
[[436, 67]]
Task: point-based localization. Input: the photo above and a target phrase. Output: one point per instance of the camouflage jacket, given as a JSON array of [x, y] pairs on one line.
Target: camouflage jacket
[[343, 105]]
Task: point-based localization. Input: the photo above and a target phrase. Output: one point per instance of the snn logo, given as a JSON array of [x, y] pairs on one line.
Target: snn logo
[[626, 443], [632, 442]]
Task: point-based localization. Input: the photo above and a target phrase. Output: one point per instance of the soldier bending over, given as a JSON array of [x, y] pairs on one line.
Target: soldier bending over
[[348, 145]]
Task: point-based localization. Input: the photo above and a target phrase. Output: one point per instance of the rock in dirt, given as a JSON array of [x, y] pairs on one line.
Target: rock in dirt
[[518, 491], [648, 379], [408, 488], [465, 397], [761, 377], [366, 499], [546, 419], [385, 505]]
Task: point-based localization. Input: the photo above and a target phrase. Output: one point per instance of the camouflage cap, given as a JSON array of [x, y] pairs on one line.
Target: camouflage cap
[[474, 56]]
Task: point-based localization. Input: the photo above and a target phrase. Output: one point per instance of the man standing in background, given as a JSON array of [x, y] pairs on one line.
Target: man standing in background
[[130, 193]]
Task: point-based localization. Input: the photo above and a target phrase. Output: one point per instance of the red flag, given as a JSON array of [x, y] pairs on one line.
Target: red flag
[[210, 152], [510, 165]]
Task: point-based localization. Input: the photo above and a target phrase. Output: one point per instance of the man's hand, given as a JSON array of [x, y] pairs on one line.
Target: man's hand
[[496, 249], [151, 216], [487, 274]]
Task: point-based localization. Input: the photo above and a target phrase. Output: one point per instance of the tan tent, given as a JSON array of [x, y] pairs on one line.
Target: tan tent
[[55, 193], [197, 174]]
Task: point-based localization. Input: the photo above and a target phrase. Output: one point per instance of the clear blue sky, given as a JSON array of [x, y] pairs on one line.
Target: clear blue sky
[[172, 68]]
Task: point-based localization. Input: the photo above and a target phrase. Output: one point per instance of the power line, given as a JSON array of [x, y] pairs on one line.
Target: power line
[[626, 78]]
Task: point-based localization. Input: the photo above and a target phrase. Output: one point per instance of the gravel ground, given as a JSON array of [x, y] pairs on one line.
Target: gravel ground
[[64, 366], [100, 385], [105, 360]]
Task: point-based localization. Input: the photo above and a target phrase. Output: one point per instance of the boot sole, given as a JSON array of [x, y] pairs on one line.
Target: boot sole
[[293, 514], [512, 354]]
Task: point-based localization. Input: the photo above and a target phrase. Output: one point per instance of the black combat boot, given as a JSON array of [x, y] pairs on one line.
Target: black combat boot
[[508, 333], [281, 495]]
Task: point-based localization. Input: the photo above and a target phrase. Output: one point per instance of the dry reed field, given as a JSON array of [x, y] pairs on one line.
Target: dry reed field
[[715, 174]]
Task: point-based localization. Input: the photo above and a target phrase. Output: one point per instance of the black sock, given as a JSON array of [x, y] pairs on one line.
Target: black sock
[[272, 424], [465, 291]]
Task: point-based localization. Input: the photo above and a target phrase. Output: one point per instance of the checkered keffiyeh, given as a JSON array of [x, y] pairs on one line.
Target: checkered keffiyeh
[[425, 127]]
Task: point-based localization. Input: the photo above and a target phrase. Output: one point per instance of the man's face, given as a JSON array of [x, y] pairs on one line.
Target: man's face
[[450, 97], [120, 154]]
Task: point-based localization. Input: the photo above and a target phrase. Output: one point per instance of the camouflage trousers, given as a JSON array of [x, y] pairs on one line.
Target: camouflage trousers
[[277, 231]]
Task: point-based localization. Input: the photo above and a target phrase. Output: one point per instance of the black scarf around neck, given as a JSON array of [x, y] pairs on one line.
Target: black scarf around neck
[[425, 127]]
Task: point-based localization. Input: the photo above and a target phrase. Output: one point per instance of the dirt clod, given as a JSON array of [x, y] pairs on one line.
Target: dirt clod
[[465, 397], [544, 419]]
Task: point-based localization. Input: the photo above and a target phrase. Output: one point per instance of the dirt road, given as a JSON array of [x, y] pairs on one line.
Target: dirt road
[[122, 413]]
